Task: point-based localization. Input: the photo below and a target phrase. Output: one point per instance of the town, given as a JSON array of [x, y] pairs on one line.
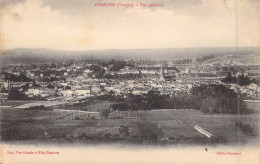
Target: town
[[77, 80], [128, 99]]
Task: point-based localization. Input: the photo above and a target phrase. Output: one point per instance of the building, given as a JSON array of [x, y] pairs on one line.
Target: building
[[83, 91], [67, 93], [161, 75], [140, 91]]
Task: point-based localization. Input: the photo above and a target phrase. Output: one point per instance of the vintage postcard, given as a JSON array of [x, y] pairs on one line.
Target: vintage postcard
[[129, 81]]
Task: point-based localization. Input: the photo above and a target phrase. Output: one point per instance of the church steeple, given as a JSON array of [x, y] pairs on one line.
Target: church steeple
[[161, 76]]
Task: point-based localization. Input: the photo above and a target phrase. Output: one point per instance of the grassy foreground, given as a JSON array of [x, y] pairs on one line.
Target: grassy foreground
[[146, 127]]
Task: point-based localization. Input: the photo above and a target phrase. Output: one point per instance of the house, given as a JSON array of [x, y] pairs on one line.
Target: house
[[253, 86], [16, 73], [63, 84], [29, 74], [3, 96], [33, 91], [83, 91], [96, 89], [75, 86], [103, 84], [87, 71], [45, 92], [117, 90], [5, 85], [140, 91], [67, 93]]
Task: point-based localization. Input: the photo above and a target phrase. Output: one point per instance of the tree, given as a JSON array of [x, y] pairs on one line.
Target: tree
[[25, 87], [219, 99], [124, 131], [117, 65], [3, 90], [243, 80], [111, 93], [99, 74], [21, 78], [97, 71], [104, 113], [154, 99], [230, 78], [15, 94], [50, 86], [240, 79]]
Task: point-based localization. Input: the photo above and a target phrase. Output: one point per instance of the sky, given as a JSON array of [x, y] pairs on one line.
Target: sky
[[79, 25]]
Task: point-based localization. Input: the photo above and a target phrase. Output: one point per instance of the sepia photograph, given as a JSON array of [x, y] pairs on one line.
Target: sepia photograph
[[129, 81]]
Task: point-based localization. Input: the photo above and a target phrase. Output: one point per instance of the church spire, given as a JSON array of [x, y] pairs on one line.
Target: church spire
[[161, 76]]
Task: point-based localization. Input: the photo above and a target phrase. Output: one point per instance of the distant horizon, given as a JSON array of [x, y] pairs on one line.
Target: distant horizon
[[21, 55], [213, 47]]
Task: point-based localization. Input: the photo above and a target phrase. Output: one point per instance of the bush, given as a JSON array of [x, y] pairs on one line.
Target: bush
[[35, 108], [105, 113], [153, 137], [16, 94], [247, 129], [77, 118], [124, 131]]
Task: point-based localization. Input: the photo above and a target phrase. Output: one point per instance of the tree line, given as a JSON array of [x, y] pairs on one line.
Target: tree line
[[239, 79], [206, 98]]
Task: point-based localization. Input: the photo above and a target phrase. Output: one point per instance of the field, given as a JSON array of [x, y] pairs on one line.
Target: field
[[39, 103], [182, 122], [88, 106], [27, 104], [14, 103], [154, 127], [253, 105], [250, 59]]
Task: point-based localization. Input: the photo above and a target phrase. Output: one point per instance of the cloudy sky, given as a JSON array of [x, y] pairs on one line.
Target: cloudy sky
[[78, 25]]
